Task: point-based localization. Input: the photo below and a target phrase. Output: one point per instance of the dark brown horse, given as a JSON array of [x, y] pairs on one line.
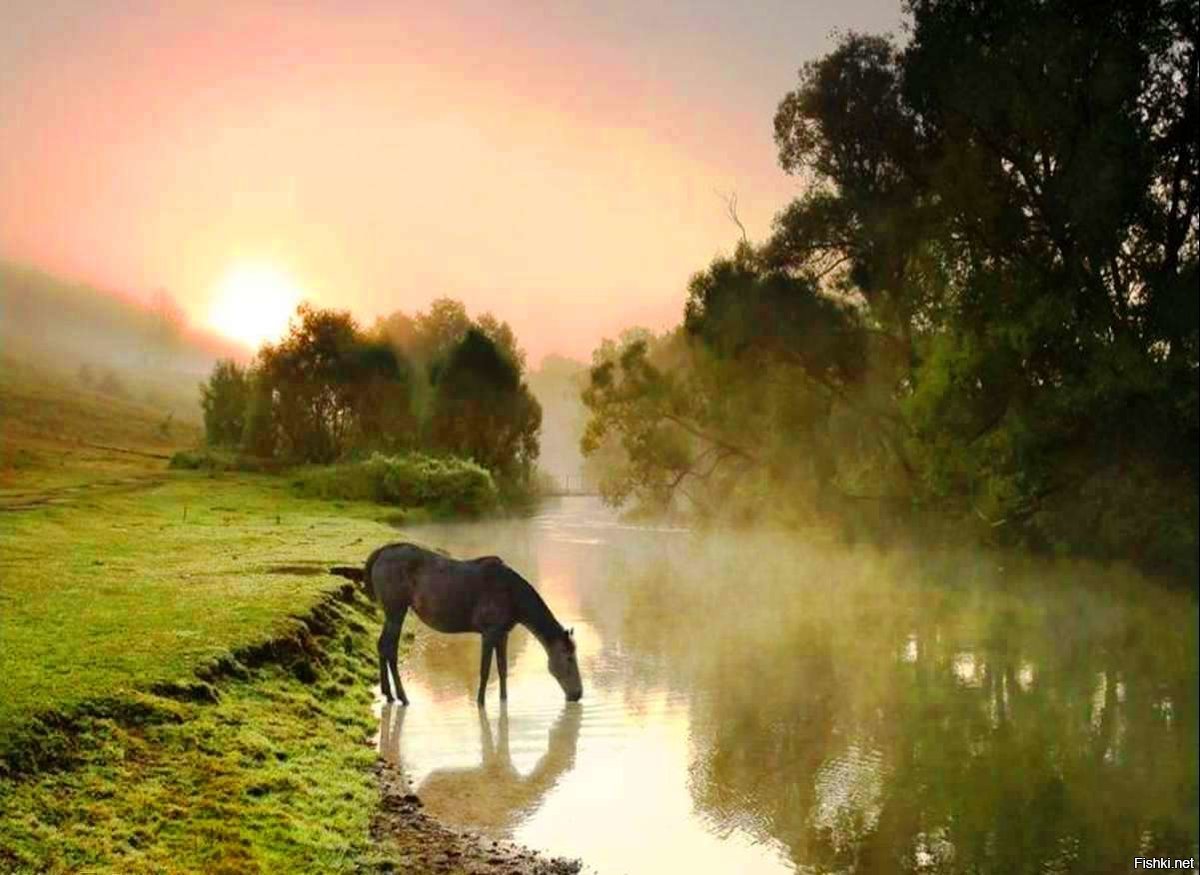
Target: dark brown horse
[[478, 595]]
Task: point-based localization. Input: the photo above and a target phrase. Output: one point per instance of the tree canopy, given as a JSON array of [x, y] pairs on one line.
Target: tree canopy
[[984, 302]]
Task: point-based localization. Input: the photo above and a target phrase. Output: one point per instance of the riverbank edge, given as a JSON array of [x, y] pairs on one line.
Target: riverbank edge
[[400, 835]]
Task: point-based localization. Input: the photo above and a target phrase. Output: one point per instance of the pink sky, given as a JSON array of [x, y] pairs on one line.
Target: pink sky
[[548, 162]]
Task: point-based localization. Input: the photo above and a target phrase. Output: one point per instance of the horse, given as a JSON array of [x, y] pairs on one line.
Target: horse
[[453, 596]]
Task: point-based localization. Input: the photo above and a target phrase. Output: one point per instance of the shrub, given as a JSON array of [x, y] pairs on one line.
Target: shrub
[[192, 460], [444, 486], [215, 460]]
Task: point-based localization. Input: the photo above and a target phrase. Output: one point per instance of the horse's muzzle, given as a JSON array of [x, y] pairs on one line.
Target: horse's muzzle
[[576, 697]]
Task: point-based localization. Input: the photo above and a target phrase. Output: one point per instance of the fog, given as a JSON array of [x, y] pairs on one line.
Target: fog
[[143, 351], [761, 701]]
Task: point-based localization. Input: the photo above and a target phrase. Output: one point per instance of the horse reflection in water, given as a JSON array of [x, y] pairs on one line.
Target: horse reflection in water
[[492, 797]]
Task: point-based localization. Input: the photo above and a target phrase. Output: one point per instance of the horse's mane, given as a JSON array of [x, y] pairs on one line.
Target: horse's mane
[[532, 608]]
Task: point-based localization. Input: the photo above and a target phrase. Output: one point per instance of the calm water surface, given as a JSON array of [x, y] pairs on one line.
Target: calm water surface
[[753, 704]]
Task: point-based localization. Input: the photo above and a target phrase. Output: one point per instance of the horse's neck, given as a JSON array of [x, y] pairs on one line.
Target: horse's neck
[[532, 612]]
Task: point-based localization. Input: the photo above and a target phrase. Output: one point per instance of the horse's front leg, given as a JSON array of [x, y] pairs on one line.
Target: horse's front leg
[[393, 654], [502, 665], [485, 666]]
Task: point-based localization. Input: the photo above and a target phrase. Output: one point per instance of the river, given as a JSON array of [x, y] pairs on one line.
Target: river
[[754, 703]]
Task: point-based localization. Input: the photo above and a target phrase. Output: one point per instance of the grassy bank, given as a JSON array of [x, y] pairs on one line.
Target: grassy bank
[[180, 690], [267, 772], [112, 592]]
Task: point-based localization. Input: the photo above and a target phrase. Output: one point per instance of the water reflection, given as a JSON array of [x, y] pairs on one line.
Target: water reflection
[[493, 795], [760, 700]]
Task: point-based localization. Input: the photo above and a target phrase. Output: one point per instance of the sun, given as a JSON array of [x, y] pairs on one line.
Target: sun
[[253, 303]]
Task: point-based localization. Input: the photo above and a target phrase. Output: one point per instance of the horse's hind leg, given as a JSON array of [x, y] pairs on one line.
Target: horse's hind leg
[[502, 665], [385, 686], [388, 639], [393, 653]]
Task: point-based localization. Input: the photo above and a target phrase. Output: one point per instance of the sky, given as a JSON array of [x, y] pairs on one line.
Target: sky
[[556, 164]]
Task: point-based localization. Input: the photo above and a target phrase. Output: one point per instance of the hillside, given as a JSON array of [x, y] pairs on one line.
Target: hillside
[[57, 435], [65, 326]]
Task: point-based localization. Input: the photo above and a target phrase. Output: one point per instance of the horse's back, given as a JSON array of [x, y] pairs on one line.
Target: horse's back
[[449, 595], [393, 568]]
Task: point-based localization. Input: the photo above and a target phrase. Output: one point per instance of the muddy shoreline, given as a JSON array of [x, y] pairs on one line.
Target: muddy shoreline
[[425, 844]]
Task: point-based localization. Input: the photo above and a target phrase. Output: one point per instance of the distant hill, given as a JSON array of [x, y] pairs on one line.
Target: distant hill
[[44, 312], [96, 335]]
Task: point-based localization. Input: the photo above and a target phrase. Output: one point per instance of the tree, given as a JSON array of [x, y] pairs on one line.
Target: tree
[[482, 409], [1063, 151], [439, 330], [224, 399], [333, 389], [983, 304]]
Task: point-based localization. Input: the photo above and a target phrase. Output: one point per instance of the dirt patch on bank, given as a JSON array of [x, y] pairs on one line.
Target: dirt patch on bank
[[424, 844]]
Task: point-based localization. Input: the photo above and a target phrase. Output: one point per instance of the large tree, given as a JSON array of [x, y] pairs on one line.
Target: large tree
[[332, 389], [482, 410], [991, 276]]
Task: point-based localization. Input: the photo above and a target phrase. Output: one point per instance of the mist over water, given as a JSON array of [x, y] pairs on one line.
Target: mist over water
[[757, 704]]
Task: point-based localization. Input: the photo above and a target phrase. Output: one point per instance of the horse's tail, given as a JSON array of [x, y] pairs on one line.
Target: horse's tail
[[363, 575], [358, 575]]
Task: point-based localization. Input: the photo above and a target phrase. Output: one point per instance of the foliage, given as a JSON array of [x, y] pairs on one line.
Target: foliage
[[482, 410], [217, 460], [984, 304], [332, 389], [259, 435], [224, 400], [444, 486], [328, 393]]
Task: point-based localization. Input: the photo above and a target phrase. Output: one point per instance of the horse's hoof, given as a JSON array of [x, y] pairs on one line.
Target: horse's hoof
[[404, 702]]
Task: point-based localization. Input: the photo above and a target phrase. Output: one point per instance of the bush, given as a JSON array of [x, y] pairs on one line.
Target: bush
[[444, 486], [214, 460], [192, 460]]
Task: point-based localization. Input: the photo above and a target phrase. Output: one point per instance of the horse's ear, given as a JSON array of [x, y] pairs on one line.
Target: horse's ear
[[571, 632]]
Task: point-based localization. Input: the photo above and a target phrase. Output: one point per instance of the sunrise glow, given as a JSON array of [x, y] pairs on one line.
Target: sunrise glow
[[253, 303]]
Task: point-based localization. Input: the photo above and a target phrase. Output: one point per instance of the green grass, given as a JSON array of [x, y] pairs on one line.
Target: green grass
[[110, 597], [116, 592], [273, 778], [58, 435]]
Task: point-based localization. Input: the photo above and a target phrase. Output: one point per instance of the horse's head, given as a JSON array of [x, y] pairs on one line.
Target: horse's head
[[564, 666]]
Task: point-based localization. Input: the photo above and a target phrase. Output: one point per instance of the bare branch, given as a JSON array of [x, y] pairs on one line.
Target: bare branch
[[731, 201]]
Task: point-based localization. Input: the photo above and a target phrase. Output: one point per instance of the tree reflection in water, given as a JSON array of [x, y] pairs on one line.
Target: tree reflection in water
[[877, 715]]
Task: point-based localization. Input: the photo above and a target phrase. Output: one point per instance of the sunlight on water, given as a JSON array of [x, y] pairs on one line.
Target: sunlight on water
[[752, 706]]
